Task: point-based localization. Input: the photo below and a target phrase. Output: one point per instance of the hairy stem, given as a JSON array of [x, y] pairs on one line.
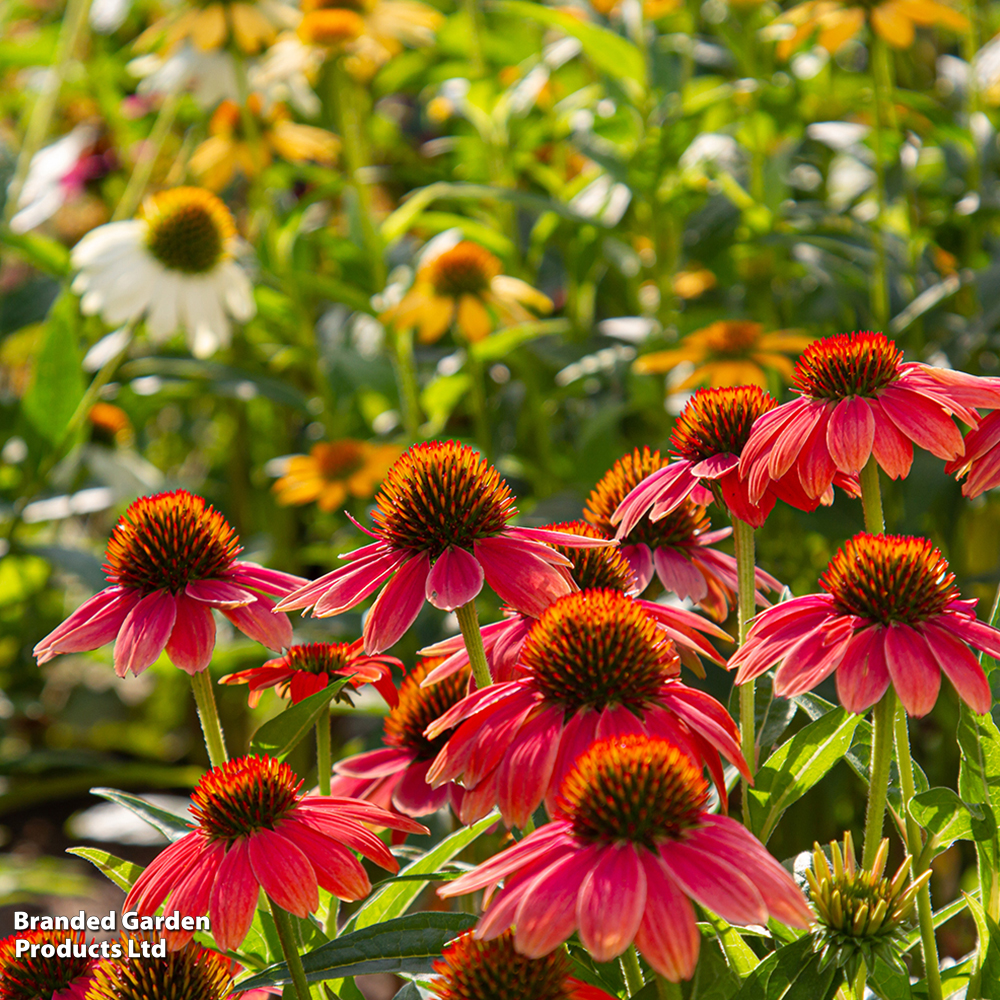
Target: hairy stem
[[878, 778], [745, 574], [208, 715], [871, 498], [468, 620], [632, 970], [286, 935], [323, 762]]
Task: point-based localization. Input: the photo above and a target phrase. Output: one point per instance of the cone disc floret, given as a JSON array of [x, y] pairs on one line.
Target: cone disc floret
[[718, 421], [190, 973], [599, 568], [420, 706], [633, 788], [465, 269], [188, 229], [849, 364], [441, 494], [167, 541], [320, 657], [26, 978], [598, 648], [890, 578], [495, 970], [242, 796]]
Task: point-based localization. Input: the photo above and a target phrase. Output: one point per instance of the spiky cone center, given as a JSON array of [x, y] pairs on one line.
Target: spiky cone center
[[890, 578], [167, 541], [190, 973], [189, 229], [595, 569], [732, 337], [420, 706], [850, 364], [465, 269], [331, 26], [633, 788], [26, 978], [494, 970], [718, 421], [320, 657], [598, 648], [439, 494], [242, 796]]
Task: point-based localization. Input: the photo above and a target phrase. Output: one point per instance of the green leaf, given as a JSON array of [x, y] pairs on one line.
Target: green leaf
[[441, 396], [979, 785], [411, 991], [944, 815], [40, 251], [610, 53], [57, 383], [889, 983], [394, 899], [499, 345], [796, 766], [123, 873], [172, 827], [282, 734], [985, 978], [791, 973], [405, 945]]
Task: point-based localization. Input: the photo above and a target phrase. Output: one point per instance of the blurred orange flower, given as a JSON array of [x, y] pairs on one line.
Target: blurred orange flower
[[111, 422], [836, 23], [464, 285], [728, 352], [333, 470], [252, 26]]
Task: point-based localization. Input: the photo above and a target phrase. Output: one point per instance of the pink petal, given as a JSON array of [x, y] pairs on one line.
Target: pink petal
[[671, 484], [668, 935], [611, 902], [219, 593], [337, 870], [271, 581], [577, 735], [475, 803], [192, 640], [715, 883], [716, 466], [526, 770], [892, 449], [519, 576], [808, 664], [640, 559], [345, 587], [234, 898], [414, 796], [283, 872], [262, 623], [96, 622], [375, 763], [913, 668], [617, 720], [792, 438], [495, 734], [850, 434], [164, 872], [564, 538], [922, 422], [974, 632], [145, 632], [455, 579], [397, 607], [192, 893], [680, 575], [862, 677], [959, 666]]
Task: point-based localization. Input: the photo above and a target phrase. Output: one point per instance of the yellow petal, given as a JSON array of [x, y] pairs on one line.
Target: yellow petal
[[299, 143], [208, 28], [663, 361], [929, 12], [785, 340], [213, 162], [473, 319], [435, 318], [839, 29], [505, 287], [333, 496], [891, 23], [725, 373], [776, 361]]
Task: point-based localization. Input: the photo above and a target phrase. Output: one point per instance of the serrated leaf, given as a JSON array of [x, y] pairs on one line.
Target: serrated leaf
[[407, 944], [281, 735], [172, 827], [123, 873]]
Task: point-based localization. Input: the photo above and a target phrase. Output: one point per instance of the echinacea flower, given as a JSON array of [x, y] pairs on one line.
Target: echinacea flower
[[708, 440], [593, 569], [47, 973], [256, 831], [287, 74], [861, 913], [173, 265], [858, 399], [395, 776], [891, 614], [251, 25], [595, 664], [210, 77], [463, 284], [441, 530], [470, 969], [334, 470], [728, 352], [676, 545], [981, 460], [171, 559], [630, 846], [310, 668]]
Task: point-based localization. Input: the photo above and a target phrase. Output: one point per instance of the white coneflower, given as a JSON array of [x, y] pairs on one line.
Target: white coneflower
[[210, 77], [174, 265]]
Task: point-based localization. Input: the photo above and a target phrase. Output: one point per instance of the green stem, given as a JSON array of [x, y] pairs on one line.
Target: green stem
[[73, 27], [208, 715], [324, 764], [878, 778], [468, 621], [330, 925], [401, 348], [632, 970], [914, 845], [286, 935], [144, 165], [746, 605], [247, 119], [666, 990], [871, 498], [880, 281], [474, 39]]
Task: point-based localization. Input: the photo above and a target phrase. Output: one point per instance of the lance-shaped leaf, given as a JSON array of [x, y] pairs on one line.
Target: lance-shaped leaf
[[282, 734], [172, 827], [123, 873]]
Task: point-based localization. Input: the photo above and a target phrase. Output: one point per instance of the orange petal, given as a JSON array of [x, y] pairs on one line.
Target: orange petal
[[840, 28], [208, 29], [436, 318], [473, 319], [891, 23], [663, 361]]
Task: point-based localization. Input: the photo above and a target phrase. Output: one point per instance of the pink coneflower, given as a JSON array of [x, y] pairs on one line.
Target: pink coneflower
[[708, 439], [629, 847], [395, 776], [858, 399], [594, 665], [441, 528], [308, 669], [891, 614], [981, 459], [255, 831], [470, 969], [593, 569], [52, 976], [171, 559]]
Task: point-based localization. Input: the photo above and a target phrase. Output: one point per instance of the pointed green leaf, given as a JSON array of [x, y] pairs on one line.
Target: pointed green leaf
[[171, 826], [282, 734], [791, 973], [123, 873], [944, 815], [979, 785]]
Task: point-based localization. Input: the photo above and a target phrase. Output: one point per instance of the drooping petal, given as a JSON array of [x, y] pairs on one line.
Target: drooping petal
[[611, 902], [343, 588], [283, 872], [862, 677], [234, 898], [145, 632], [519, 575], [337, 870], [262, 623], [892, 449], [680, 574], [397, 607], [526, 769], [923, 422], [414, 796], [850, 434], [640, 560], [668, 935], [913, 668], [97, 621], [959, 666], [271, 581], [192, 640], [455, 579], [715, 883], [375, 763], [193, 891], [218, 593]]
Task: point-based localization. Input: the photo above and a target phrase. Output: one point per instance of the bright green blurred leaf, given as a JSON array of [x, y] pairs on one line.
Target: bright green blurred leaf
[[123, 873]]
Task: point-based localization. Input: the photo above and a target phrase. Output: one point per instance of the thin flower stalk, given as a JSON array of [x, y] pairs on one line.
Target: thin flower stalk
[[148, 155], [208, 716], [880, 277], [289, 947], [468, 621], [632, 970], [746, 606], [324, 761]]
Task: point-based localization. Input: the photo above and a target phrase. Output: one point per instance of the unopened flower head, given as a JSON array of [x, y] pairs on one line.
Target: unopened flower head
[[47, 973], [861, 912], [190, 973], [171, 559]]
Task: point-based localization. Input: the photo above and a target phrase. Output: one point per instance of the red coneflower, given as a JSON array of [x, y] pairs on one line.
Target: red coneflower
[[171, 559], [891, 614], [981, 459], [256, 831], [629, 847], [48, 973], [441, 528]]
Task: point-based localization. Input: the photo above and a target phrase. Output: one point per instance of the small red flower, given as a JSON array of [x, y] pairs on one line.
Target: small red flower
[[981, 459], [47, 973]]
